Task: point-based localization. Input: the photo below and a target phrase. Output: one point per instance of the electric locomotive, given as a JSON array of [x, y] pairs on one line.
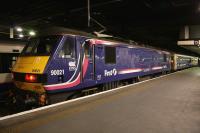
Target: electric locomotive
[[53, 67]]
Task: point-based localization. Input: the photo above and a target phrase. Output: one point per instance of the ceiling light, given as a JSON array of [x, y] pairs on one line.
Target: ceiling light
[[21, 35], [32, 33], [19, 29]]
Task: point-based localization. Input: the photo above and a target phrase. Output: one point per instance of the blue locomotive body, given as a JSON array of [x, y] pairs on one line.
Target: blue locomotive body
[[92, 62]]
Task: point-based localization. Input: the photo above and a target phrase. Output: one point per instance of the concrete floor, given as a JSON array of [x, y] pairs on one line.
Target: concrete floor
[[169, 104]]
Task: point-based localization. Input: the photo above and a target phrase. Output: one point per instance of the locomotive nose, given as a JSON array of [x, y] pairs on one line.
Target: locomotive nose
[[32, 64], [28, 73]]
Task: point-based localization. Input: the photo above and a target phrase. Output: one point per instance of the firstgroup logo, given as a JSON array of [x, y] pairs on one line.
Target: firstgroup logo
[[109, 73]]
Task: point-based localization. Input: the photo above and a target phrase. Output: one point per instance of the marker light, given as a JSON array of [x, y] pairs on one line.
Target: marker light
[[30, 78]]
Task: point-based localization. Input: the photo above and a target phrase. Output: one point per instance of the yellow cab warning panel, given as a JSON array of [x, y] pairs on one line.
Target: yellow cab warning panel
[[31, 64], [35, 87]]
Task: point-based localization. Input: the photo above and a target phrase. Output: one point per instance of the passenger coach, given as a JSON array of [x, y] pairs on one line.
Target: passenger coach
[[9, 51]]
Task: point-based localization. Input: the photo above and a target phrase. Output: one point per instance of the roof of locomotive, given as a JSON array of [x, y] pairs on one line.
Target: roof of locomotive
[[95, 39]]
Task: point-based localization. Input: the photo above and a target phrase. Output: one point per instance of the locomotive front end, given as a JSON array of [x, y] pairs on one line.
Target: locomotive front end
[[28, 73], [29, 70]]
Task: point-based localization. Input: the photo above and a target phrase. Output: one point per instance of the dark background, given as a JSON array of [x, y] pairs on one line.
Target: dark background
[[152, 22]]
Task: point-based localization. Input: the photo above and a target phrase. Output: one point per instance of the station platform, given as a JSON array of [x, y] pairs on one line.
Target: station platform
[[168, 104]]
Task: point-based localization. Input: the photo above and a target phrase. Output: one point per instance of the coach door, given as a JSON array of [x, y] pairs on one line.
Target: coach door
[[88, 69]]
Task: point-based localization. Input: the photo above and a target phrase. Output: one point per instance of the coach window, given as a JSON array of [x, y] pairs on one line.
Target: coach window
[[13, 61], [110, 55], [190, 60], [68, 49], [165, 58], [7, 61]]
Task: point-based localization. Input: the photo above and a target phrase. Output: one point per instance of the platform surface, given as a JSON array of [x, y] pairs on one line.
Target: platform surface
[[170, 104]]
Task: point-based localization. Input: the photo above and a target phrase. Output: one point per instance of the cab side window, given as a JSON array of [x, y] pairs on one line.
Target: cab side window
[[87, 49], [68, 49]]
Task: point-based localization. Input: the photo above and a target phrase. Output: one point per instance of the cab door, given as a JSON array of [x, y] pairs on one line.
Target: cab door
[[63, 67], [88, 62]]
